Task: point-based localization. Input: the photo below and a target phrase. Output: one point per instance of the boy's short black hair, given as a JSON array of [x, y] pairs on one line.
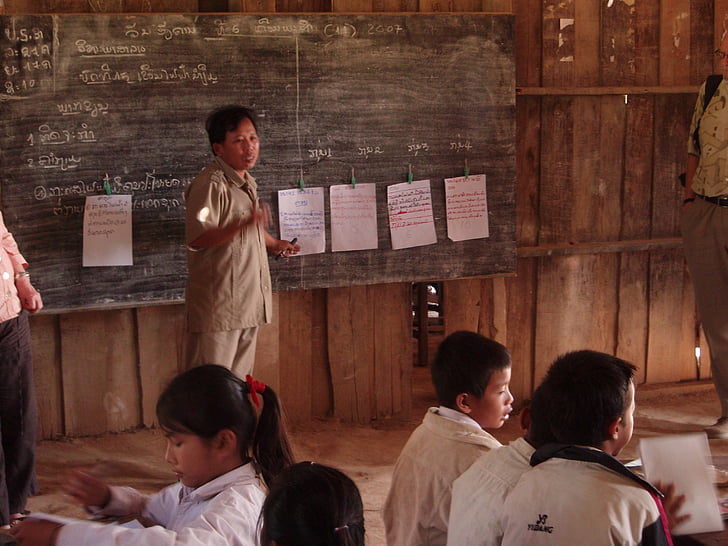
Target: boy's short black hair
[[464, 363], [585, 391], [539, 431], [226, 119]]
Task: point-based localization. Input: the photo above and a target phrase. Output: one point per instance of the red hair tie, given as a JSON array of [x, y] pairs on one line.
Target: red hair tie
[[254, 387]]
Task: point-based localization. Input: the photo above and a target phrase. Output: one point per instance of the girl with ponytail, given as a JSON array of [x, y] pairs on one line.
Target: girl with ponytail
[[225, 441]]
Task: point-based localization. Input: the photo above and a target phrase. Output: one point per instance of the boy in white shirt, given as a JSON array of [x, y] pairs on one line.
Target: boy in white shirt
[[478, 494], [471, 375]]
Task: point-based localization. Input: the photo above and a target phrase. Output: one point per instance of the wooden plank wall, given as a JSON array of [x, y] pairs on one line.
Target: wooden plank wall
[[605, 94]]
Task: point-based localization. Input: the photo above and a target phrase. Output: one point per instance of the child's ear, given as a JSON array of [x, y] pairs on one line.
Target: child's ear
[[225, 440], [613, 429], [462, 403]]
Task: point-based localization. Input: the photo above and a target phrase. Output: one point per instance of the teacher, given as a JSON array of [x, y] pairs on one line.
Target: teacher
[[704, 226], [228, 293]]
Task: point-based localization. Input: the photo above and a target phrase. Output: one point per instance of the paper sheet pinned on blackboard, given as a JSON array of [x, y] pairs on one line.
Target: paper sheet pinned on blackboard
[[301, 216], [411, 221], [107, 234], [353, 217], [467, 207]]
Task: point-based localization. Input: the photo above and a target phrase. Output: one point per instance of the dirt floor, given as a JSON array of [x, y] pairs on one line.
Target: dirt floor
[[366, 453]]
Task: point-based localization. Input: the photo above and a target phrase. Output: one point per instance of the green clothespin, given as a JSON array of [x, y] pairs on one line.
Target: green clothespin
[[107, 187], [353, 178], [301, 183], [467, 170], [410, 177]]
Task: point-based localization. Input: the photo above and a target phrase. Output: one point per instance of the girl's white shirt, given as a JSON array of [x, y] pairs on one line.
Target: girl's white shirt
[[224, 511]]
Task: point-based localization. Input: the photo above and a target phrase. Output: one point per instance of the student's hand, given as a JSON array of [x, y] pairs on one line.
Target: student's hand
[[672, 504], [86, 489], [29, 297], [35, 532]]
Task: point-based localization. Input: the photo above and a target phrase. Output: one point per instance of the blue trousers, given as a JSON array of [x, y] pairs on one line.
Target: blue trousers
[[18, 418]]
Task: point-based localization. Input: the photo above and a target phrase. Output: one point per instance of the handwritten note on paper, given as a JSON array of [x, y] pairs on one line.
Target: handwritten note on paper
[[467, 207], [353, 217], [410, 214], [107, 231], [301, 215]]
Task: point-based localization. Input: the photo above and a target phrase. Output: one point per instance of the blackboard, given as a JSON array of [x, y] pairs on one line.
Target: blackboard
[[89, 99]]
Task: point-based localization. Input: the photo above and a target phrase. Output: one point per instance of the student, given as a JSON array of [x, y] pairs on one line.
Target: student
[[471, 375], [578, 492], [310, 504], [478, 494], [228, 293], [216, 446]]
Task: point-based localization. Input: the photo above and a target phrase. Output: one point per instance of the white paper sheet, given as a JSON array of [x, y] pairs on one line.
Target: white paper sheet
[[683, 459], [301, 216], [467, 207], [107, 238], [411, 222], [353, 217]]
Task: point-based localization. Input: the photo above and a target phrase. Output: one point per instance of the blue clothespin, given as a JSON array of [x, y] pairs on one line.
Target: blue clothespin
[[353, 178]]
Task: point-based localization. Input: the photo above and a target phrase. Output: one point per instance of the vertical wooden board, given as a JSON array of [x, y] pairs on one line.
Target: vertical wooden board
[[44, 333], [100, 372], [670, 346], [268, 349], [295, 308], [160, 337], [381, 6], [313, 6], [528, 163], [392, 350], [605, 274], [556, 190], [672, 119], [720, 25], [705, 363], [528, 43], [617, 48], [638, 161], [571, 313], [257, 6], [586, 157], [450, 5], [558, 45], [613, 114], [350, 333], [674, 42], [597, 169], [632, 318], [499, 310], [521, 331], [701, 43], [356, 6], [156, 6], [586, 42], [647, 42], [463, 305], [498, 6], [321, 389]]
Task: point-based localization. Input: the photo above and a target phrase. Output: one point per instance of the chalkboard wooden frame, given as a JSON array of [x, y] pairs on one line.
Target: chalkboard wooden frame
[[89, 99]]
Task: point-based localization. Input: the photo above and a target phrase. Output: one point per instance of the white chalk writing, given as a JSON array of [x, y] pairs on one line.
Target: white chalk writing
[[105, 75]]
